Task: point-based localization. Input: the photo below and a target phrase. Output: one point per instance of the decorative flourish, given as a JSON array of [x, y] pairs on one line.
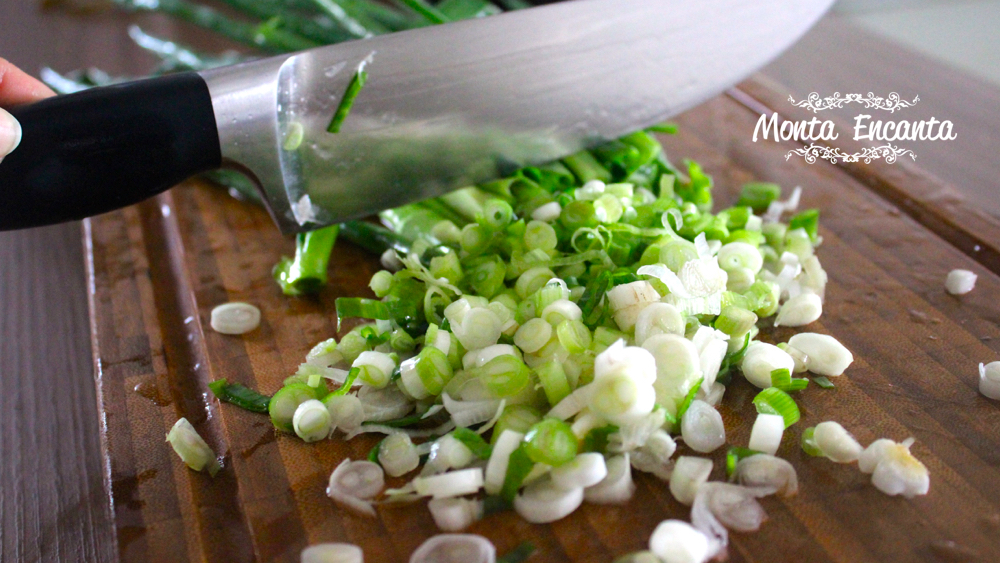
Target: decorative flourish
[[890, 103], [813, 152]]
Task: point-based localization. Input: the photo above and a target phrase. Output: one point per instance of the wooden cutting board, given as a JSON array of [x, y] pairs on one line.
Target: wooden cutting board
[[891, 233]]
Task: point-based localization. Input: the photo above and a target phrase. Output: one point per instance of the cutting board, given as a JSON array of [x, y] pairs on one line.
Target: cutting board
[[890, 235]]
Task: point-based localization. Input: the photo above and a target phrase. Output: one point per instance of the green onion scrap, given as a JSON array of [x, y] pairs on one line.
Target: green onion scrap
[[350, 95]]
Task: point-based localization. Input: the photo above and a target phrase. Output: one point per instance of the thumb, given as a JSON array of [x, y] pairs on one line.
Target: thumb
[[10, 133]]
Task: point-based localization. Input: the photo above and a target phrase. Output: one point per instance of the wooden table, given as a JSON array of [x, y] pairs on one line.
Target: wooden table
[[55, 503]]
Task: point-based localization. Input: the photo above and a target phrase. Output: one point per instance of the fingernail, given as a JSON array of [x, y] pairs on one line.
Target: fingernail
[[10, 133]]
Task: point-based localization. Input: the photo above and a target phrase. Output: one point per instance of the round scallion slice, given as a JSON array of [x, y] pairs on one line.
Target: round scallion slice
[[284, 403], [551, 442], [235, 318], [504, 376]]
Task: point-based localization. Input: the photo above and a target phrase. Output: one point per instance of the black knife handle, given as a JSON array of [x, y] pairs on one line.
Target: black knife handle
[[101, 149]]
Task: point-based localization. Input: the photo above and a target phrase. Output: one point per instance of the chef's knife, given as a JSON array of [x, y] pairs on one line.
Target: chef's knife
[[443, 107]]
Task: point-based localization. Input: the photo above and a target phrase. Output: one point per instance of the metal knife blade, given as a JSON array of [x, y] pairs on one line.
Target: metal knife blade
[[457, 104]]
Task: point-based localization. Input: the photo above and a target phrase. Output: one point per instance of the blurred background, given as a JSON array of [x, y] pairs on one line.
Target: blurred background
[[961, 33]]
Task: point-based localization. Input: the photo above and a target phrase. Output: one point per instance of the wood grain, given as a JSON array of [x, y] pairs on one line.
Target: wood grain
[[53, 504], [159, 270]]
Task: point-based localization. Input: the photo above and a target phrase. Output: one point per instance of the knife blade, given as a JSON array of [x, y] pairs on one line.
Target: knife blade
[[443, 107]]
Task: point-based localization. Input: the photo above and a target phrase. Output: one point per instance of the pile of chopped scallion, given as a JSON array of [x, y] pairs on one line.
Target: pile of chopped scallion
[[536, 338]]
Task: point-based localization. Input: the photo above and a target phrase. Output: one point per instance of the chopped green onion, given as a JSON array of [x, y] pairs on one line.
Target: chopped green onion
[[239, 395], [539, 235], [551, 442], [373, 453], [824, 382], [352, 375], [518, 418], [596, 440], [519, 465], [666, 128], [426, 373], [686, 403], [759, 195], [191, 448], [809, 442], [347, 101], [293, 136], [397, 455], [403, 422], [381, 283], [734, 455], [497, 214], [519, 554], [485, 275], [735, 321], [448, 267], [574, 336], [775, 401], [765, 296], [782, 379], [307, 272], [808, 220], [282, 405], [476, 444], [532, 335], [356, 307], [553, 379], [586, 168], [311, 421], [504, 376]]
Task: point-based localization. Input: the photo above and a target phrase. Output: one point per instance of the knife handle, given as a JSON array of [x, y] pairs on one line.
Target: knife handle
[[101, 149]]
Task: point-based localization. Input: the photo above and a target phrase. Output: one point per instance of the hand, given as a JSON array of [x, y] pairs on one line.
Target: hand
[[16, 88]]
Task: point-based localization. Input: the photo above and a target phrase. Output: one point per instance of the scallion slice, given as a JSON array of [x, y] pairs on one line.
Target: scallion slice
[[476, 444], [356, 307], [686, 403], [551, 442], [775, 401], [239, 395], [782, 379], [519, 466], [734, 456], [823, 382]]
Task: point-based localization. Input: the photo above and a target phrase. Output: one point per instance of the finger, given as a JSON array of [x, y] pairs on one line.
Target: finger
[[10, 133], [17, 87]]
